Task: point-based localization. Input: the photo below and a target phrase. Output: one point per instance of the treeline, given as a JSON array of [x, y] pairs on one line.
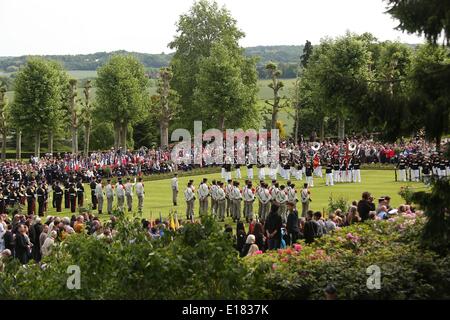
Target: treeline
[[353, 83], [286, 56]]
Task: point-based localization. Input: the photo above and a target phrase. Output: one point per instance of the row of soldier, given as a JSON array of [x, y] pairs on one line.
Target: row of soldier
[[337, 170], [70, 194], [231, 200]]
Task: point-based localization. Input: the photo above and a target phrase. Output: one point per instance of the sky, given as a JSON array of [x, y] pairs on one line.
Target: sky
[[87, 26]]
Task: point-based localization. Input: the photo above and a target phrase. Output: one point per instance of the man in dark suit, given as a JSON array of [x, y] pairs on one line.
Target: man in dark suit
[[292, 225], [273, 228], [365, 205], [22, 248]]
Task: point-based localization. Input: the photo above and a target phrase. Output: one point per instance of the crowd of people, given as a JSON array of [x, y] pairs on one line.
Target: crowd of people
[[272, 233], [274, 224]]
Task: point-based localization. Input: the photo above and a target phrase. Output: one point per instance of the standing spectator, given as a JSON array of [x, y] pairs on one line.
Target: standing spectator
[[273, 228], [241, 236], [292, 225], [22, 248], [311, 228]]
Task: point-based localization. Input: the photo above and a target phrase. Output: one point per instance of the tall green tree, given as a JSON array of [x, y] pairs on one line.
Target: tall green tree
[[222, 92], [430, 96], [122, 94], [197, 32], [276, 85], [73, 111], [337, 72], [3, 126], [164, 105], [87, 114], [430, 18], [39, 95]]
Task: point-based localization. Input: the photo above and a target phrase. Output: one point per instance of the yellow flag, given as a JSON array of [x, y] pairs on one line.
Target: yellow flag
[[177, 223], [172, 223]]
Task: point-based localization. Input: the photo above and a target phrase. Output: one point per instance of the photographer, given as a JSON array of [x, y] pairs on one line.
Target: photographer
[[365, 205]]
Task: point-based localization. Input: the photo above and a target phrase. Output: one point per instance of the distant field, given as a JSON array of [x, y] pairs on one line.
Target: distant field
[[82, 74], [264, 93]]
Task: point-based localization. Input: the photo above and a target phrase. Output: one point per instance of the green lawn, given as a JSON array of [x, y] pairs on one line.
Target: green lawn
[[158, 193]]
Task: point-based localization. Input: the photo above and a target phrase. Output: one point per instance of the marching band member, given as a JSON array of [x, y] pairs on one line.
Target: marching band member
[[336, 170], [261, 171], [238, 171], [309, 175], [329, 174], [401, 166], [250, 171], [356, 169], [292, 194]]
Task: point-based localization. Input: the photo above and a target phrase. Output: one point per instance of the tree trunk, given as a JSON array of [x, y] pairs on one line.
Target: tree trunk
[[37, 145], [74, 140], [116, 135], [164, 130], [322, 129], [50, 142], [297, 116], [87, 134], [274, 117], [4, 146], [124, 136], [18, 145], [438, 143], [341, 128], [222, 123]]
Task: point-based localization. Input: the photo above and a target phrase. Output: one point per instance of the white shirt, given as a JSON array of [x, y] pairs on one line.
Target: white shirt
[[99, 190], [214, 189], [129, 188], [292, 195], [120, 191], [203, 191], [248, 194], [109, 191], [174, 183], [188, 194], [264, 195], [139, 188], [281, 197], [235, 194], [220, 194]]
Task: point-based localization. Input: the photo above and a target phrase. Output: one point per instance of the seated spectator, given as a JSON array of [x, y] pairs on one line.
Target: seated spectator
[[250, 247]]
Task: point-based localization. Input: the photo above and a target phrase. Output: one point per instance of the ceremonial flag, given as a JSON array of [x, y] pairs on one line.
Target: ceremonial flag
[[172, 223], [177, 223]]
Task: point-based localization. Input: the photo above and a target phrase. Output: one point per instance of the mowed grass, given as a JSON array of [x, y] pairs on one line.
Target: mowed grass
[[158, 194]]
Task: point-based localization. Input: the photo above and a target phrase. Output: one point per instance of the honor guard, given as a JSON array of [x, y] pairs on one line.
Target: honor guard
[[329, 174], [92, 186]]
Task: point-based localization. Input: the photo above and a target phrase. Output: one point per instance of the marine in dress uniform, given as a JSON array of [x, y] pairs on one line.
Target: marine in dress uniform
[[58, 195], [92, 186]]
